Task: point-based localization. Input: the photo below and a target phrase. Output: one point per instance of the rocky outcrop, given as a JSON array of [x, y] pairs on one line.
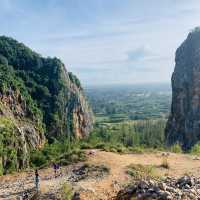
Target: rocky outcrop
[[184, 121], [79, 110], [85, 171], [75, 115]]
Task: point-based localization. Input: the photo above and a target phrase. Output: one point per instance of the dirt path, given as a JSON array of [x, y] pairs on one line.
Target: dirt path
[[105, 188]]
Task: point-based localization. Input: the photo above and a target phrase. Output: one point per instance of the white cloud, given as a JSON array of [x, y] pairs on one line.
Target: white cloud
[[105, 41]]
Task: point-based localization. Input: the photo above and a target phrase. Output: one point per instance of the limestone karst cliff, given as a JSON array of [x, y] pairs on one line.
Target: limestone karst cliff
[[39, 100], [184, 121]]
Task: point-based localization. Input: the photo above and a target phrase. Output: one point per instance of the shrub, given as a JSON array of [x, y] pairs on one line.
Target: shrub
[[121, 149], [138, 171], [195, 149], [57, 152], [71, 157], [113, 150], [176, 148], [38, 159], [100, 146], [66, 192], [137, 149], [118, 148], [85, 145]]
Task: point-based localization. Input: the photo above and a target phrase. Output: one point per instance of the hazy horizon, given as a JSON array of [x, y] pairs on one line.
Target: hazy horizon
[[104, 42], [150, 84]]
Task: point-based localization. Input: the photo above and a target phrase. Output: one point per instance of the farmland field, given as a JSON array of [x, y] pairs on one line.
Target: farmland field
[[114, 104]]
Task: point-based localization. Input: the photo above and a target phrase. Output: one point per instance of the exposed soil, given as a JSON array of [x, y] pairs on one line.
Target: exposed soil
[[95, 184]]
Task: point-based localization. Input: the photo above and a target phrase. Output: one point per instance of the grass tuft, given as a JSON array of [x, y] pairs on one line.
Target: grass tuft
[[66, 192], [138, 171], [195, 149], [176, 148]]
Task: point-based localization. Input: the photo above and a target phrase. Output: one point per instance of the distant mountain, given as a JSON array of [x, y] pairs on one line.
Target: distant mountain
[[184, 122], [39, 100]]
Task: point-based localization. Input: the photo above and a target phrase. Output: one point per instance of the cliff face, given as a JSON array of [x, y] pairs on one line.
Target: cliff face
[[79, 111], [184, 122], [39, 100]]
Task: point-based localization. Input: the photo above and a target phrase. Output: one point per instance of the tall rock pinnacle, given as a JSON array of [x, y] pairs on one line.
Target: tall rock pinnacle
[[183, 125]]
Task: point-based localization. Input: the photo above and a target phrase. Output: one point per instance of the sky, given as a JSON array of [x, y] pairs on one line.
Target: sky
[[104, 41]]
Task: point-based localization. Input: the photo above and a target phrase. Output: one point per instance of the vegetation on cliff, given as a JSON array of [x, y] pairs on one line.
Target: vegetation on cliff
[[45, 80], [40, 99]]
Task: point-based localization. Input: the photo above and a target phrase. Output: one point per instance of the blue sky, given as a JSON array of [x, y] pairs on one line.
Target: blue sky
[[104, 41]]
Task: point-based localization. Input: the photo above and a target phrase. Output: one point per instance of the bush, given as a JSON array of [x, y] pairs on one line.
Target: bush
[[66, 192], [116, 148], [113, 150], [176, 148], [60, 152], [38, 159], [121, 149], [195, 149], [100, 146], [138, 171], [137, 149], [85, 145]]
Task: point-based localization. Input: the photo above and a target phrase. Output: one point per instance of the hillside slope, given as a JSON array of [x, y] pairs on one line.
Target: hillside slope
[[38, 99]]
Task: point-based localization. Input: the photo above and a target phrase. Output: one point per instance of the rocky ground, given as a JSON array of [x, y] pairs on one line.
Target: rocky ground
[[12, 188], [104, 177], [184, 188]]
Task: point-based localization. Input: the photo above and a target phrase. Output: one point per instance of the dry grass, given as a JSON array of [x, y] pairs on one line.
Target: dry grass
[[138, 171]]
